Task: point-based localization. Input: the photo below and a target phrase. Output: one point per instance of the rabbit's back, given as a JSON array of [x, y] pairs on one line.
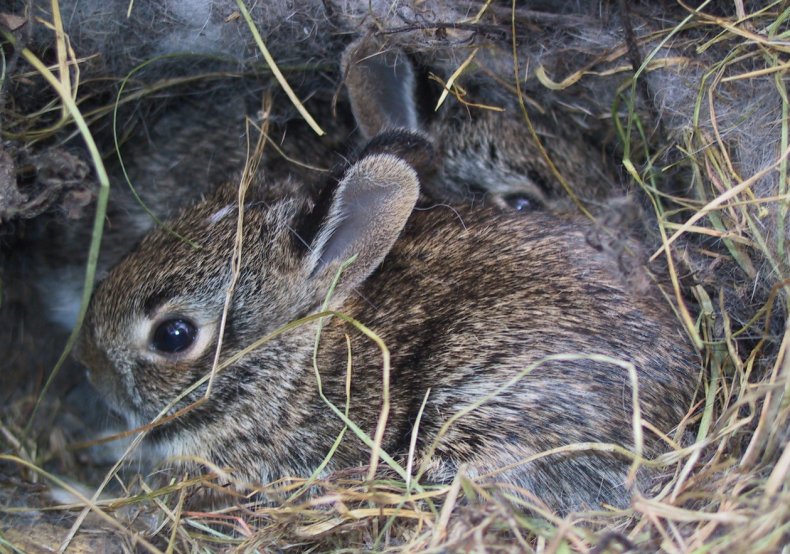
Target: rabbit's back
[[469, 301]]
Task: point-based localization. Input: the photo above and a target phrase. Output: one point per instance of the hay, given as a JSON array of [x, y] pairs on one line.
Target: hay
[[724, 219]]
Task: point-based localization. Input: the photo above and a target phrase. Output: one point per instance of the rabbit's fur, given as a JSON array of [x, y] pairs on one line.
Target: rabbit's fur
[[465, 299]]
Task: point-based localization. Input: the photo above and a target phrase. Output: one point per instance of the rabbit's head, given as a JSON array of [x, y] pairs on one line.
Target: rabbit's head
[[153, 324]]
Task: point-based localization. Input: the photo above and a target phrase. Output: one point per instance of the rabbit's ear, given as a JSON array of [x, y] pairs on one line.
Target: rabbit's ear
[[380, 86], [367, 212]]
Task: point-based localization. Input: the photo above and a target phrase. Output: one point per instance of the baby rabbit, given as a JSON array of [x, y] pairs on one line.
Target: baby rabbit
[[465, 299], [485, 154]]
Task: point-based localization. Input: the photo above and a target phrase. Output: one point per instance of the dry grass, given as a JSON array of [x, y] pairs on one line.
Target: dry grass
[[727, 490]]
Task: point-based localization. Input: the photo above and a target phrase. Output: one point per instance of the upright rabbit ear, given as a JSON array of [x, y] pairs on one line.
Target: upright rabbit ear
[[368, 210], [380, 86]]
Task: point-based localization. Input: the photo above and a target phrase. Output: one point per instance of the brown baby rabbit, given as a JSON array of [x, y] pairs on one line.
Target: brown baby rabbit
[[467, 300]]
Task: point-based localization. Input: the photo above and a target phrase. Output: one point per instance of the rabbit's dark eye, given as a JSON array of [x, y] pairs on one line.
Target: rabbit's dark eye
[[174, 335]]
